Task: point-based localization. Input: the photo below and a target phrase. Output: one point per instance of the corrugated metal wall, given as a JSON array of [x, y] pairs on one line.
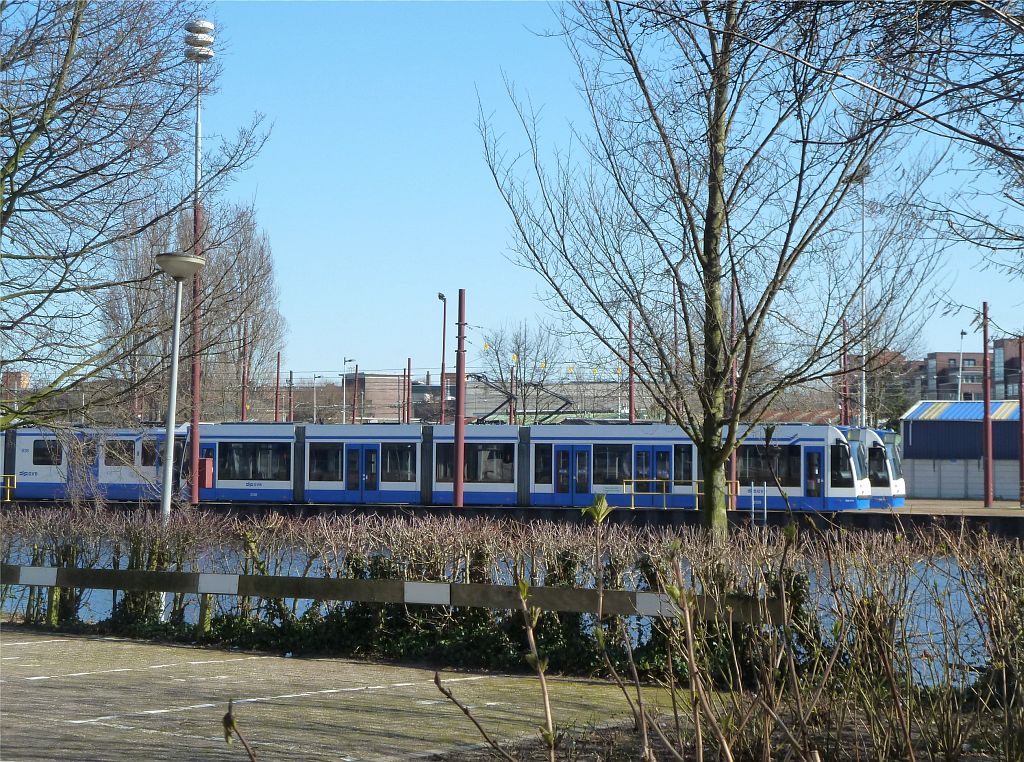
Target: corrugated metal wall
[[944, 440], [959, 478]]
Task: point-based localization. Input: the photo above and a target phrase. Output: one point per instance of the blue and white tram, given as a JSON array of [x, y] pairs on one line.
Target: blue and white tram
[[892, 487], [248, 462], [115, 464], [880, 465], [491, 472], [367, 463], [800, 467], [640, 466]]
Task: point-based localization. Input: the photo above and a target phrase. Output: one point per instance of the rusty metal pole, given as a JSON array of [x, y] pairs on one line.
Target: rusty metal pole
[[732, 391], [401, 397], [632, 376], [460, 405], [245, 370], [987, 419], [277, 390], [197, 291], [444, 336], [1020, 415], [408, 390], [355, 393], [291, 396]]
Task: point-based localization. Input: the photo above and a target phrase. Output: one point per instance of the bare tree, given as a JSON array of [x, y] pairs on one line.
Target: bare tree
[[953, 70], [243, 326], [717, 166], [96, 116], [238, 291], [534, 352]]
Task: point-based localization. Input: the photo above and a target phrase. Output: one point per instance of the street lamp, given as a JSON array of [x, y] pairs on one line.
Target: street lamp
[[315, 377], [444, 333], [179, 267], [859, 176], [198, 44], [960, 367], [344, 383]]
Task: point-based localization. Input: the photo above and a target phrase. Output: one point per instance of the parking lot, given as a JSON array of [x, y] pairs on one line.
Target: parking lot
[[66, 697]]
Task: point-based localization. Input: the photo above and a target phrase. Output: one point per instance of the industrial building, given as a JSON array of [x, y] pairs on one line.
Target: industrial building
[[942, 449]]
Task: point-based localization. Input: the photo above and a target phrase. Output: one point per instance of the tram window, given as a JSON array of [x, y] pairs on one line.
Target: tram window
[[47, 452], [612, 463], [542, 464], [841, 468], [444, 459], [325, 462], [118, 452], [894, 459], [259, 461], [878, 474], [398, 462], [148, 452], [181, 464], [684, 465], [761, 464], [488, 463]]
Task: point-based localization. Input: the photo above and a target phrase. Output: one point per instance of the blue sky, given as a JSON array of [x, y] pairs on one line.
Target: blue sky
[[373, 189]]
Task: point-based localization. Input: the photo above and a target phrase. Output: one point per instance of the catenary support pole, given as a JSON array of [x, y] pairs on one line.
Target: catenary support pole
[[632, 375], [1020, 416], [355, 394], [408, 390], [245, 371], [987, 417], [197, 292], [460, 405], [291, 396], [733, 488], [277, 390], [444, 338]]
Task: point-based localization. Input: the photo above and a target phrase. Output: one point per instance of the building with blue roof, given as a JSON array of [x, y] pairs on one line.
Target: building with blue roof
[[942, 449]]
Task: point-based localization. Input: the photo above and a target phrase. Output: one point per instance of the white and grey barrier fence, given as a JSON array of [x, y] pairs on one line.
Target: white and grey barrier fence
[[736, 608]]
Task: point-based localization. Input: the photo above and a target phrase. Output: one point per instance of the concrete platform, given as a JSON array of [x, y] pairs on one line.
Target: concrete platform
[[1000, 508], [66, 697]]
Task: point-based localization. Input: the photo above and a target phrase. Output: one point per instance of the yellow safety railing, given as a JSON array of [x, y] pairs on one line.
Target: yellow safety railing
[[629, 487], [10, 481]]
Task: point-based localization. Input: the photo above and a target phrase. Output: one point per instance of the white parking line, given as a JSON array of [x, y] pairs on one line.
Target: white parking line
[[140, 669], [261, 699], [34, 642]]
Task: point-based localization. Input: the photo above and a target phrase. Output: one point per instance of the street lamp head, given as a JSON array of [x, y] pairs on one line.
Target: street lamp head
[[442, 297], [199, 26], [199, 55], [198, 41], [179, 266], [962, 333]]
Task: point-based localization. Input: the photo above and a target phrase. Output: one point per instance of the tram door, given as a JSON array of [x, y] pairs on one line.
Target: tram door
[[652, 470], [572, 475], [362, 472], [814, 481], [82, 459]]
